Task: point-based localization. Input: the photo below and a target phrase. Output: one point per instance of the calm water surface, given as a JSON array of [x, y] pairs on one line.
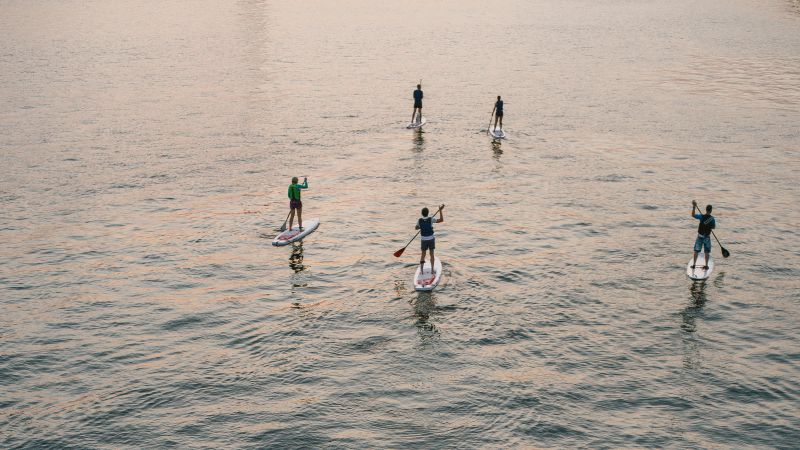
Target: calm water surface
[[145, 152]]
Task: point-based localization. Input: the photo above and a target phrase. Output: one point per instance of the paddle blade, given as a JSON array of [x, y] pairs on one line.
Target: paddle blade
[[399, 253], [725, 252]]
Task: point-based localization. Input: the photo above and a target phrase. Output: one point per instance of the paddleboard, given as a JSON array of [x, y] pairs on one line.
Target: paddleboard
[[698, 273], [294, 235], [424, 280], [497, 133], [417, 124]]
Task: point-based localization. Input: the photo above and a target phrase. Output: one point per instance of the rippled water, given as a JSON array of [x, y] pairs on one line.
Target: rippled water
[[146, 149]]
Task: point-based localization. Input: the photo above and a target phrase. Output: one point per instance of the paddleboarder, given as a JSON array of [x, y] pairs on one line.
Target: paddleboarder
[[498, 112], [294, 201], [417, 104], [707, 223], [427, 239]]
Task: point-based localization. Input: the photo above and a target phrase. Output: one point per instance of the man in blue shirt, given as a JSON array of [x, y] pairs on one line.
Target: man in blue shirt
[[707, 223], [417, 104], [428, 240], [498, 113]]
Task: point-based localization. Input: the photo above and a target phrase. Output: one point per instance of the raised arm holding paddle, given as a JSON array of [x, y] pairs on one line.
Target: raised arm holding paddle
[[399, 253]]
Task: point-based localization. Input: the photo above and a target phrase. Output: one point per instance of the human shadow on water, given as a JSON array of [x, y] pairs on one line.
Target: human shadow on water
[[296, 258]]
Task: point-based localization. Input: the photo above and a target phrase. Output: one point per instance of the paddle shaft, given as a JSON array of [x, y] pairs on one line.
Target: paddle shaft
[[420, 120], [722, 249], [283, 227]]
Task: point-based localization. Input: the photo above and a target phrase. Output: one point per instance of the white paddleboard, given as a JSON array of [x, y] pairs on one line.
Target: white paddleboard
[[417, 124], [698, 273], [497, 133], [424, 280], [294, 235]]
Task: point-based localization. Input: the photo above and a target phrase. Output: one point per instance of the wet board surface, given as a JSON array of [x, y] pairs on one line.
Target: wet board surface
[[698, 273], [294, 235], [417, 124], [497, 133], [424, 280]]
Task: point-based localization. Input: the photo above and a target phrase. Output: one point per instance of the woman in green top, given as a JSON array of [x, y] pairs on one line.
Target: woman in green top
[[295, 203]]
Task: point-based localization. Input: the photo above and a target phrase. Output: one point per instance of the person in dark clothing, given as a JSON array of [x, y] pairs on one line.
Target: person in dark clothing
[[498, 112], [703, 241], [428, 240], [417, 104]]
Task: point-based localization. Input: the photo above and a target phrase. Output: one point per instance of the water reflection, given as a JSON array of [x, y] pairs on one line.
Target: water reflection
[[424, 308], [419, 140], [296, 258], [497, 148], [692, 344], [697, 295]]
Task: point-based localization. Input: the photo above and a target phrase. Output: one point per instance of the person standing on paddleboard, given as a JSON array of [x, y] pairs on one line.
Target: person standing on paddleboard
[[428, 240], [707, 223], [294, 202], [498, 112], [417, 104]]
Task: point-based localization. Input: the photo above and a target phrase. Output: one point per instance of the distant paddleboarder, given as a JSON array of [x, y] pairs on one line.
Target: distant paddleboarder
[[707, 223], [498, 112], [428, 240], [294, 201], [417, 104]]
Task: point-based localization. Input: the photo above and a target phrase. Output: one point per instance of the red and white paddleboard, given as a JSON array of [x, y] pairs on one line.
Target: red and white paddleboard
[[424, 280], [294, 235]]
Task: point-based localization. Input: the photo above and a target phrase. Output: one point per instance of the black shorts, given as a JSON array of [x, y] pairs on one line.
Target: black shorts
[[431, 244], [499, 114], [418, 105]]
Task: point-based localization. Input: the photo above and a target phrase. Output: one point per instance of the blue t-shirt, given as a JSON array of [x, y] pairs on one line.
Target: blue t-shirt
[[417, 95], [499, 105]]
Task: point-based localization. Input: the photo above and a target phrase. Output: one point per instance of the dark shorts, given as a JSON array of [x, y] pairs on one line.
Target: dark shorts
[[295, 204], [499, 114], [418, 105], [426, 245]]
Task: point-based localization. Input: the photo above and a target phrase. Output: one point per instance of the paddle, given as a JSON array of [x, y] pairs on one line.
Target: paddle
[[420, 111], [399, 253], [489, 129], [283, 227], [725, 252]]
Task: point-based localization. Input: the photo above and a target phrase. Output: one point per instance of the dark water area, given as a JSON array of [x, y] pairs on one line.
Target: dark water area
[[145, 150]]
